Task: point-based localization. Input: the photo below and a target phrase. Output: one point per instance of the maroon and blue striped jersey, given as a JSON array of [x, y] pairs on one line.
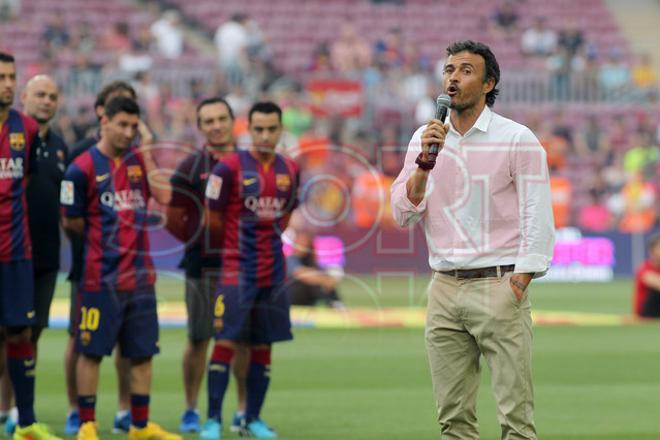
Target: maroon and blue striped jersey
[[253, 200], [112, 196], [18, 145]]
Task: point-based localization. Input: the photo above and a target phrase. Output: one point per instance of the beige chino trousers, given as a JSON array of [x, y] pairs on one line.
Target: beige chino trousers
[[469, 318]]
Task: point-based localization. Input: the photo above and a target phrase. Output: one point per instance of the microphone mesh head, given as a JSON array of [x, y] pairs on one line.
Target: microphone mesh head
[[443, 100]]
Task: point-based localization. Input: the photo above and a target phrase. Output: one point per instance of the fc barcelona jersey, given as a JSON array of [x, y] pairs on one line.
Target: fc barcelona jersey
[[18, 139], [111, 195], [253, 200]]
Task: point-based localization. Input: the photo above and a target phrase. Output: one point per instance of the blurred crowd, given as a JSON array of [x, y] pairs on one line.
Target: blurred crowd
[[350, 114]]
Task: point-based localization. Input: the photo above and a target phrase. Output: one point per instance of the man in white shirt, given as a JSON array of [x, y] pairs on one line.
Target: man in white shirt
[[231, 41], [168, 35], [485, 206]]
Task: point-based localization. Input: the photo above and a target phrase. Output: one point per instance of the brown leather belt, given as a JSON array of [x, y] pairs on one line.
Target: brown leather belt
[[484, 272]]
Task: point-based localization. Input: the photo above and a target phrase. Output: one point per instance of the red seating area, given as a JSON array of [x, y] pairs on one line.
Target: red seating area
[[296, 28]]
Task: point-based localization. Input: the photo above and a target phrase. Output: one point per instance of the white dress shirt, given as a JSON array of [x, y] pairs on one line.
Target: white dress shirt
[[487, 201]]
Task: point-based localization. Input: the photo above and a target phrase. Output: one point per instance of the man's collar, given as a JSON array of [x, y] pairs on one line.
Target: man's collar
[[483, 121]]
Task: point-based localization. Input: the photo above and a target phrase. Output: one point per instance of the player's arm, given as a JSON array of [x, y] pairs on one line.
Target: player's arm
[[181, 201], [74, 226], [73, 192], [218, 190], [158, 177], [176, 223], [651, 279]]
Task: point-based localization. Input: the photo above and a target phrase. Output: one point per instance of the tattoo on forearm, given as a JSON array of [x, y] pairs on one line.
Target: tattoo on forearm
[[518, 284]]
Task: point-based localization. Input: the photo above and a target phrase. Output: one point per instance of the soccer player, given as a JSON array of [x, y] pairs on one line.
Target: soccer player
[[104, 197], [39, 99], [201, 262], [122, 421], [250, 196], [647, 282], [19, 139]]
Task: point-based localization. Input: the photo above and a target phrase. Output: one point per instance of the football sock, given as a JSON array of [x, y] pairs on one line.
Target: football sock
[[87, 407], [21, 365], [139, 410], [258, 379], [218, 379]]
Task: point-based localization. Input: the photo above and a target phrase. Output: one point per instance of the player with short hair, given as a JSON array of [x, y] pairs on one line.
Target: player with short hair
[[122, 420], [19, 139], [39, 98], [250, 196], [104, 197], [201, 262]]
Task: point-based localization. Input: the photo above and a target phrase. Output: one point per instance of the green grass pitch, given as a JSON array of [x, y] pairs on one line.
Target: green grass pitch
[[595, 382]]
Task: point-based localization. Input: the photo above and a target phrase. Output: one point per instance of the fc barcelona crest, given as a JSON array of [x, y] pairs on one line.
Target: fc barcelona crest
[[283, 182], [17, 141], [134, 173]]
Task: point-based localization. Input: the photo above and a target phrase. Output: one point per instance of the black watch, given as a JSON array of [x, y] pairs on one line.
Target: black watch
[[426, 165]]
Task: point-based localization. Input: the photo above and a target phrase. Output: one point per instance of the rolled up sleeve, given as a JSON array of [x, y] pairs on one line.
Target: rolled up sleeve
[[404, 211], [530, 168]]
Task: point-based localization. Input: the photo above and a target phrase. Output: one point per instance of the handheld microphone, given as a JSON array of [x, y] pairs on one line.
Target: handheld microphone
[[441, 108]]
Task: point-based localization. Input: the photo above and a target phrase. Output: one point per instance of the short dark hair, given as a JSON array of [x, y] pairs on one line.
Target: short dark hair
[[6, 57], [121, 104], [111, 88], [492, 67], [213, 100], [265, 107]]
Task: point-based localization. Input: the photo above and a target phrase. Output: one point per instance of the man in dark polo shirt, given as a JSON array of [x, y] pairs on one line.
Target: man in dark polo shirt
[[202, 261], [122, 420], [40, 99]]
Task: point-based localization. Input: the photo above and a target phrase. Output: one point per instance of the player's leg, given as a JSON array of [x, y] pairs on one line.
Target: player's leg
[[270, 323], [17, 314], [239, 366], [70, 361], [122, 420], [503, 326], [231, 313], [98, 323], [138, 340], [199, 302], [454, 361]]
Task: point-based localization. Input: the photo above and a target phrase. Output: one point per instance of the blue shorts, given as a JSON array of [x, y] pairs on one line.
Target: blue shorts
[[256, 315], [107, 318], [17, 294]]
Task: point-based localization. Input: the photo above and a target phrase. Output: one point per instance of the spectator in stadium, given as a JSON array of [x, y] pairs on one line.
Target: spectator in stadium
[[389, 50], [350, 53], [201, 260], [644, 78], [122, 420], [423, 191], [539, 40], [308, 284], [40, 99], [117, 39], [614, 77], [168, 35], [639, 201], [643, 157], [56, 34], [571, 37], [250, 300], [231, 40], [9, 9], [116, 297], [646, 300], [505, 17]]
